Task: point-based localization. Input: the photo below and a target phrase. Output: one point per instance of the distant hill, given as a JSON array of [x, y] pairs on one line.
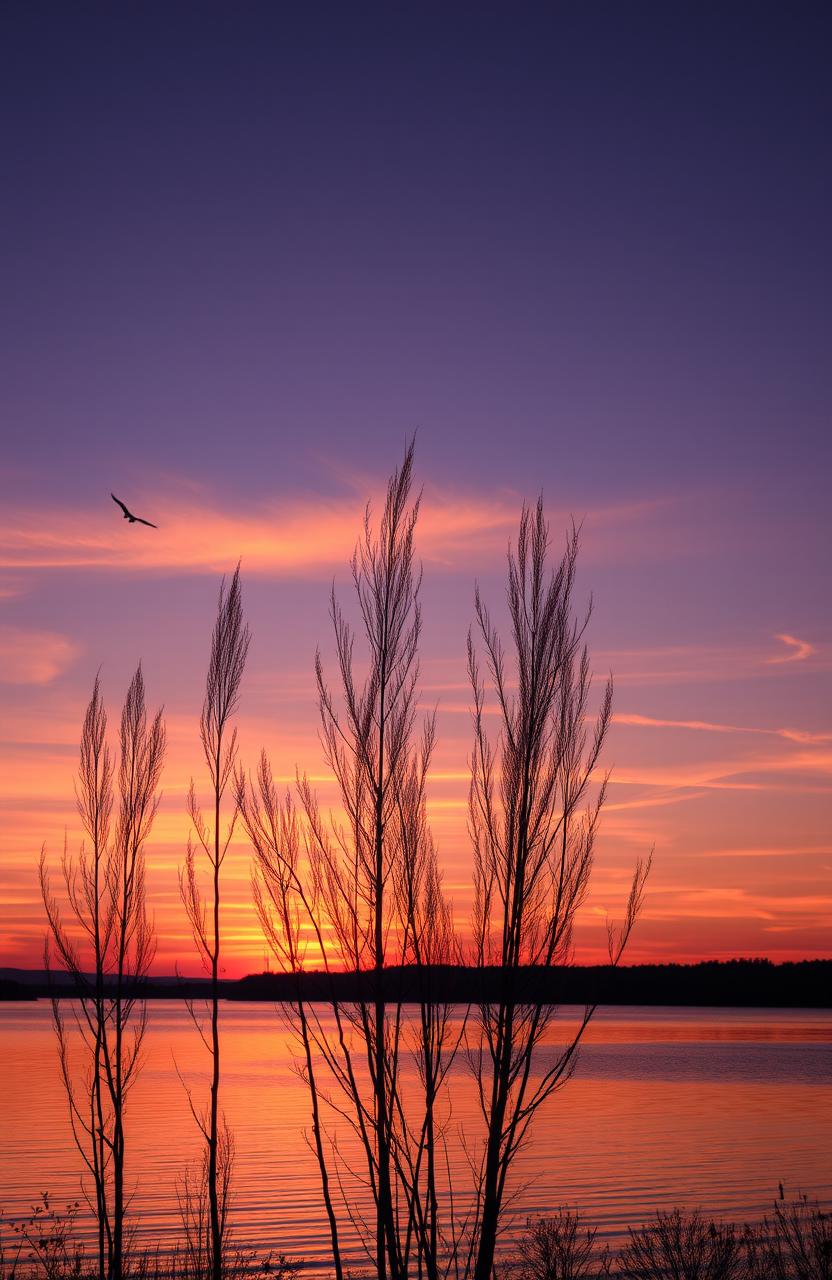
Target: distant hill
[[753, 983], [34, 984], [41, 977]]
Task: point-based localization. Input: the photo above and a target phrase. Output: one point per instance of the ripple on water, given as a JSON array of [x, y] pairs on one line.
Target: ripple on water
[[671, 1106]]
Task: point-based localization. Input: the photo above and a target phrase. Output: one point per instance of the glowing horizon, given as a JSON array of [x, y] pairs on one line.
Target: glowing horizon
[[680, 779]]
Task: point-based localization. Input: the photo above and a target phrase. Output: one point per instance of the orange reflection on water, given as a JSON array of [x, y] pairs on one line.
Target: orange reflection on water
[[668, 1106]]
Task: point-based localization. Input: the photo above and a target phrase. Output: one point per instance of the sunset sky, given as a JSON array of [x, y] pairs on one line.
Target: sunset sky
[[584, 250]]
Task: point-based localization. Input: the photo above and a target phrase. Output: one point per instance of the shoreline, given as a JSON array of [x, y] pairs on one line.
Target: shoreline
[[740, 984]]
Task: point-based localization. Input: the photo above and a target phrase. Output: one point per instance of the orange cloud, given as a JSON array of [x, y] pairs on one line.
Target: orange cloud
[[315, 534], [278, 538]]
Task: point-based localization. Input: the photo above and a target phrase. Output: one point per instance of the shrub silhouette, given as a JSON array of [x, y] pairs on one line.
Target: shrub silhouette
[[679, 1246], [557, 1248]]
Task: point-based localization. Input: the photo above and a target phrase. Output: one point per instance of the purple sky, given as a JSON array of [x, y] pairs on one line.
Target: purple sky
[[583, 248]]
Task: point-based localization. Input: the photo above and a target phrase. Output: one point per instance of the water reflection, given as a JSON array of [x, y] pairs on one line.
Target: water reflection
[[695, 1107]]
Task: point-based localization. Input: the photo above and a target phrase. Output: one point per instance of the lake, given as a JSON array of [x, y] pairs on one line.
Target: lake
[[707, 1107]]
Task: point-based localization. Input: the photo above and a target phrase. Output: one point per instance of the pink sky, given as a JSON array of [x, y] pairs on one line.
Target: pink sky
[[721, 750]]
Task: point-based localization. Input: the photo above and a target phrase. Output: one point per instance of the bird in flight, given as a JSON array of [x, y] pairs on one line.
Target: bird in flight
[[128, 515]]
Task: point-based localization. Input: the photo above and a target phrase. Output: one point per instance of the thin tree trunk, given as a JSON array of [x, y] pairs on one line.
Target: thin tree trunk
[[490, 1215], [319, 1147], [213, 1136], [385, 1229]]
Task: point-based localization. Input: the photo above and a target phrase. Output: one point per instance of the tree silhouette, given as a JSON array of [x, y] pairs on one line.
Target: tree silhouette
[[533, 823], [106, 946], [363, 893], [229, 649]]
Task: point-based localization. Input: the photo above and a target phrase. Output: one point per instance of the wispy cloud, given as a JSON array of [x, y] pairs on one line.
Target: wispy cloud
[[701, 663], [33, 657], [194, 535], [658, 799], [740, 774], [709, 726], [779, 851], [290, 537], [798, 650]]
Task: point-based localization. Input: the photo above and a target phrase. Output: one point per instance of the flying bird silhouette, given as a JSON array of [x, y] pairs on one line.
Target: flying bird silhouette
[[128, 515]]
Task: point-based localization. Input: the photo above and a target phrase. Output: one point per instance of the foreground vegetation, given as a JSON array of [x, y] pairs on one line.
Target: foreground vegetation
[[793, 1242]]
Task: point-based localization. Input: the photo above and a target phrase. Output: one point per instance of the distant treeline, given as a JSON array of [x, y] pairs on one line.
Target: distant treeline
[[753, 983]]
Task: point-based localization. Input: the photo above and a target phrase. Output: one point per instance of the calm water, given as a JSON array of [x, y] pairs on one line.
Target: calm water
[[668, 1106]]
